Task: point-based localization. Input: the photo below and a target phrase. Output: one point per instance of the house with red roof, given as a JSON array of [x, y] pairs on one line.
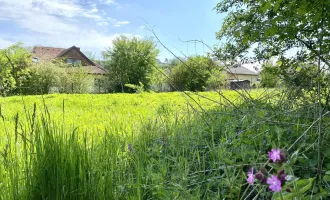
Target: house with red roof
[[72, 56]]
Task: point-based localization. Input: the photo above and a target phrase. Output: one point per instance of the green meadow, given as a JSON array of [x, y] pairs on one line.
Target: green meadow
[[141, 146]]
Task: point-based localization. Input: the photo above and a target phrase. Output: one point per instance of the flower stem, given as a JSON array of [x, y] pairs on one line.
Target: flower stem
[[281, 195]]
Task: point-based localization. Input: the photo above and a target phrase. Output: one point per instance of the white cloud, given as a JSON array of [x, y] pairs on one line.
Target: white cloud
[[94, 10], [5, 43], [108, 2], [61, 8], [57, 23], [103, 23], [117, 24]]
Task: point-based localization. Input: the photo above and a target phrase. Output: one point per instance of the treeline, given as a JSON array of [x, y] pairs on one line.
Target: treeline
[[131, 66]]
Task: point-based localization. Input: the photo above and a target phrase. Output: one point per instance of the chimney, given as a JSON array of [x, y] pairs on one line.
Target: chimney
[[78, 48]]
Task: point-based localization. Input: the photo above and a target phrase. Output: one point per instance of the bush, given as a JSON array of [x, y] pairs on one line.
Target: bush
[[14, 62], [194, 74], [269, 75], [76, 80], [42, 77], [48, 77]]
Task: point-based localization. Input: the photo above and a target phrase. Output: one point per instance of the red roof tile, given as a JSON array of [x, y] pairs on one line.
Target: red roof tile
[[46, 53]]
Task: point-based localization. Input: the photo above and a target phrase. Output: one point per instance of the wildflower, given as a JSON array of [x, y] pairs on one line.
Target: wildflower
[[282, 177], [250, 178], [274, 155], [261, 177], [275, 185]]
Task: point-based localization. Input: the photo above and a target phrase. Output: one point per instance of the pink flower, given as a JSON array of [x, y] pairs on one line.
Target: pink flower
[[275, 185], [250, 178], [282, 177], [275, 154]]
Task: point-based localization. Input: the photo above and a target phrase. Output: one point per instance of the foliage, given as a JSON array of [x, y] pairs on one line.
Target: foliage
[[274, 27], [192, 74], [217, 80], [150, 145], [137, 88], [297, 33], [14, 62], [131, 61], [269, 76], [43, 76], [76, 80], [294, 32]]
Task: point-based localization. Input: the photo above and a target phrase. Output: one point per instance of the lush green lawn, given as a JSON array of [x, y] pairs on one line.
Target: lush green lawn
[[138, 146]]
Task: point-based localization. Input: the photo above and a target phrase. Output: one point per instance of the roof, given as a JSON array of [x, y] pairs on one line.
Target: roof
[[46, 53], [95, 70], [49, 53], [241, 70]]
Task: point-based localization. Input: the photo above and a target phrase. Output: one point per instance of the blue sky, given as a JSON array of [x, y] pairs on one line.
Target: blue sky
[[93, 25]]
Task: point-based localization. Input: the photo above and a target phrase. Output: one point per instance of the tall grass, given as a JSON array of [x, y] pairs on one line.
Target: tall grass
[[166, 156]]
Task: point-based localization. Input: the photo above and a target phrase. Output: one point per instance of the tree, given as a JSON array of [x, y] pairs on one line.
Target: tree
[[269, 75], [131, 61], [217, 80], [193, 74], [294, 31], [14, 62], [274, 27]]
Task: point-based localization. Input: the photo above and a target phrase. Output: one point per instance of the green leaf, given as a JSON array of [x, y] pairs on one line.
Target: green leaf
[[279, 63], [326, 178], [286, 195], [270, 32], [293, 158], [266, 7], [237, 34], [245, 39], [277, 5], [304, 185], [323, 191]]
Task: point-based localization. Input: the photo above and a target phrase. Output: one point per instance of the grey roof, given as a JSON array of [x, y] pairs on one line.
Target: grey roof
[[241, 70]]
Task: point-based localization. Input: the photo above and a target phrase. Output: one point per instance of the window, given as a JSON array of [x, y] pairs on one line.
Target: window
[[258, 79], [77, 62], [35, 59], [69, 61]]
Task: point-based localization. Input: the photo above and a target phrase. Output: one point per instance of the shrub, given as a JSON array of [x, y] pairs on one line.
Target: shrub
[[76, 80], [42, 77], [193, 74]]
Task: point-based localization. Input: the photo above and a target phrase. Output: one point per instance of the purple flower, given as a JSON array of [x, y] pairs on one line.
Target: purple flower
[[282, 177], [261, 177], [274, 155], [250, 178], [275, 185]]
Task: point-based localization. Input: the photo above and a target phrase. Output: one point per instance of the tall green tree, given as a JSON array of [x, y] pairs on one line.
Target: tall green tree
[[273, 27], [14, 63], [131, 61]]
